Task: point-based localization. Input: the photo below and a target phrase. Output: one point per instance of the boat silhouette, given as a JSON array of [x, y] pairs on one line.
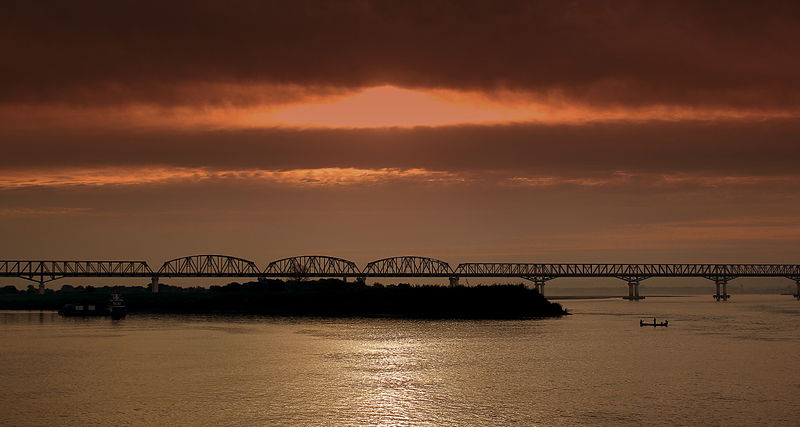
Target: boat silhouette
[[654, 323], [115, 308]]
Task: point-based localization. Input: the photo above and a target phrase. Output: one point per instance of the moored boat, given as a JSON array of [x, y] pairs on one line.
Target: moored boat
[[115, 308], [82, 310]]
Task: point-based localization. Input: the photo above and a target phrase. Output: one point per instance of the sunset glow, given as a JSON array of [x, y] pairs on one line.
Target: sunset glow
[[389, 106], [462, 121], [399, 212], [156, 175], [393, 106], [375, 107], [331, 177]]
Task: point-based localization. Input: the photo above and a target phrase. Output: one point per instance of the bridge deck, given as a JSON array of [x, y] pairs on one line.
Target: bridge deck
[[397, 267]]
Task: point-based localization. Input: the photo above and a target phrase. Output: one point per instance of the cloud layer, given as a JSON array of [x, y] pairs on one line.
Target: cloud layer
[[734, 148], [733, 53], [625, 131]]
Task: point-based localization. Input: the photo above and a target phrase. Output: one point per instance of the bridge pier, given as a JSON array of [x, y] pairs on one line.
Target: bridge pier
[[723, 285], [539, 286], [454, 281], [633, 291], [538, 282], [41, 286], [154, 285], [797, 292]]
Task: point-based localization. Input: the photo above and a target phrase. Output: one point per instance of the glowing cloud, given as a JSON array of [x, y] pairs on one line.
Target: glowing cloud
[[318, 177], [389, 106], [375, 107], [156, 175], [392, 106]]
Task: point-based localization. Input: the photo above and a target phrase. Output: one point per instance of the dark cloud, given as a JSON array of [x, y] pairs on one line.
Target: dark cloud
[[734, 148], [714, 53]]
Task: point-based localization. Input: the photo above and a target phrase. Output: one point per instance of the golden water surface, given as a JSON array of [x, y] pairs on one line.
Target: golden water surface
[[731, 363]]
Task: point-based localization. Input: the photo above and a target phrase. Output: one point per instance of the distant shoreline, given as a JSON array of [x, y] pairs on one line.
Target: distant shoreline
[[573, 297], [593, 297], [328, 298]]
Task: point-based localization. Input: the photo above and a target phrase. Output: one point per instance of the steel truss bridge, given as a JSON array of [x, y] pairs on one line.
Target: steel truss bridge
[[319, 266]]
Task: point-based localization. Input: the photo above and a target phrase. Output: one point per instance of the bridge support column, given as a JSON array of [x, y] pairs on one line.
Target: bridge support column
[[539, 286], [154, 285], [633, 291], [41, 287], [361, 280], [538, 282], [797, 292], [454, 281], [723, 285]]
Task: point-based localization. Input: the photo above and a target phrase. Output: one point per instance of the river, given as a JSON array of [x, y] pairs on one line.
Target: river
[[718, 363]]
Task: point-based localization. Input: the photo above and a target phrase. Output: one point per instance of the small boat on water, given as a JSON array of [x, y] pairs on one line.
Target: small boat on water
[[654, 323], [115, 308]]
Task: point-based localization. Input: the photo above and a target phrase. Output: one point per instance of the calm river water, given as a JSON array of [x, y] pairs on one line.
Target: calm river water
[[733, 363]]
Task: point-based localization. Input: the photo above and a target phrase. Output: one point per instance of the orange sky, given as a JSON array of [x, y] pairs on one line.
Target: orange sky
[[539, 131], [375, 107], [389, 106]]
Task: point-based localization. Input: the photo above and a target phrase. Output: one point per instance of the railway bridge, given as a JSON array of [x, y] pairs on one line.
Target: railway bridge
[[321, 266]]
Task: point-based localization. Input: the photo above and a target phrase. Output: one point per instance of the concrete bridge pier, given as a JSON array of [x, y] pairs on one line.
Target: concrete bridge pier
[[154, 285], [41, 286], [797, 292], [721, 284], [454, 281], [538, 282], [539, 286], [633, 291]]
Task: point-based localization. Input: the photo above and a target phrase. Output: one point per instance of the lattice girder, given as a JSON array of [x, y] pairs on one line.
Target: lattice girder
[[209, 266], [312, 266], [408, 266]]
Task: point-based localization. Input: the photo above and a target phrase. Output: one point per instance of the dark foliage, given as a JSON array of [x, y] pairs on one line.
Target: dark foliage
[[327, 297]]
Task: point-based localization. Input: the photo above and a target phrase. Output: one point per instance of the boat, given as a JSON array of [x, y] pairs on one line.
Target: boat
[[82, 310], [654, 323], [115, 308]]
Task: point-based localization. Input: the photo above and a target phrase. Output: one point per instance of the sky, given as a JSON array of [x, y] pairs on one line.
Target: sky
[[469, 131]]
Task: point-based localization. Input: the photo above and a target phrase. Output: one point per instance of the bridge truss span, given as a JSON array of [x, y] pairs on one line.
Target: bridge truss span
[[209, 266], [625, 271], [319, 266], [408, 266], [39, 270], [312, 266]]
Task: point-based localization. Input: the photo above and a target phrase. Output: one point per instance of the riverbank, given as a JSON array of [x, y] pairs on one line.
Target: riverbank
[[332, 298], [586, 297]]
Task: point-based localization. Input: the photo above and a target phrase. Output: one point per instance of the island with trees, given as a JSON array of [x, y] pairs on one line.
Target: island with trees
[[325, 297]]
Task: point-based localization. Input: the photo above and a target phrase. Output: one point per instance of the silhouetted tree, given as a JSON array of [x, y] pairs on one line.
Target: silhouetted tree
[[9, 289]]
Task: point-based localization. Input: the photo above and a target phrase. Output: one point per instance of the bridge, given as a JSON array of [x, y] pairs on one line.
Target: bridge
[[321, 266]]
